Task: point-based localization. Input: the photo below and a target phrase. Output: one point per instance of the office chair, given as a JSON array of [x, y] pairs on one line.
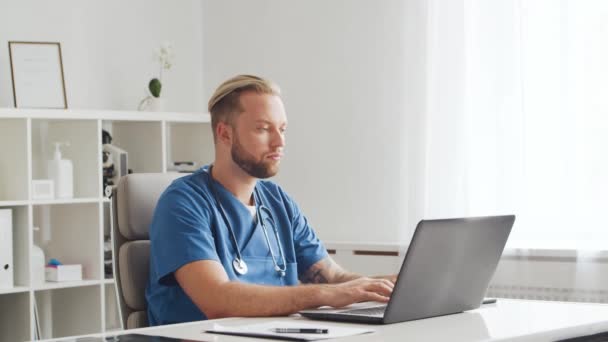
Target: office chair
[[133, 202]]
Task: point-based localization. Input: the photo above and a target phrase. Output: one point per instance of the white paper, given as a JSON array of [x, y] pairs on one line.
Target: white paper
[[267, 330]]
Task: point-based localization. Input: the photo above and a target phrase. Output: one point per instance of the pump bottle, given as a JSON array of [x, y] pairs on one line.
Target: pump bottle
[[61, 172]]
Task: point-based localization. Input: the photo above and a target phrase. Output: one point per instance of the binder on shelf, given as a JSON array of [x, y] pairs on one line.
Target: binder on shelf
[[6, 248]]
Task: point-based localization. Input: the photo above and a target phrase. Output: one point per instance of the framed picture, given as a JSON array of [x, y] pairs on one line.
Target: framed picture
[[37, 74]]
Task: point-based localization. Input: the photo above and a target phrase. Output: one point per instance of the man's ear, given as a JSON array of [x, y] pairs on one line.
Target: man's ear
[[224, 132]]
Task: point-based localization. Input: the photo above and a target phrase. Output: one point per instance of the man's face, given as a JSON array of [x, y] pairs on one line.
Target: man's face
[[259, 134]]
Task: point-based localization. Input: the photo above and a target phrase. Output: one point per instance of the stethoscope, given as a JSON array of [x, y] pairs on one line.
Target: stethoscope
[[239, 264]]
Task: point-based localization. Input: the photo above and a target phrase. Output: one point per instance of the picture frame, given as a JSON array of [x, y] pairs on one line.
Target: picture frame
[[37, 75]]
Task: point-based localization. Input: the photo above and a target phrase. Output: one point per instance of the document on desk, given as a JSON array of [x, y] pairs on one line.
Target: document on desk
[[270, 330]]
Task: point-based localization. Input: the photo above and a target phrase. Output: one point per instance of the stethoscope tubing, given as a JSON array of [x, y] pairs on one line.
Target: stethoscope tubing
[[261, 206], [242, 266], [225, 218]]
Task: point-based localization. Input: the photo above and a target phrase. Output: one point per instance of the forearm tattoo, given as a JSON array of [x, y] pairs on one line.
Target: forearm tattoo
[[321, 272]]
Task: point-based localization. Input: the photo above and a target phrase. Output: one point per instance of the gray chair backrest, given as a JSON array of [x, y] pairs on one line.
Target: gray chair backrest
[[133, 202]]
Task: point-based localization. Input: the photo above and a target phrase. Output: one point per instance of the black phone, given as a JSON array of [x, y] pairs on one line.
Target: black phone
[[129, 338]]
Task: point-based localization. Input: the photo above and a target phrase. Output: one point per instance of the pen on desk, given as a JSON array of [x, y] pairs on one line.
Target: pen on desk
[[300, 331], [489, 301]]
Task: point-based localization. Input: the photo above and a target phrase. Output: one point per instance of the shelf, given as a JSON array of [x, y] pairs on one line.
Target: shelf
[[86, 114], [142, 141], [60, 308], [84, 138], [16, 289], [113, 321], [53, 201], [14, 159], [70, 233], [182, 137], [13, 203], [75, 230], [15, 319], [66, 201], [65, 285]]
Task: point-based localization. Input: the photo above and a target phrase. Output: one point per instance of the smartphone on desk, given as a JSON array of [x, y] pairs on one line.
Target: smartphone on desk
[[129, 338]]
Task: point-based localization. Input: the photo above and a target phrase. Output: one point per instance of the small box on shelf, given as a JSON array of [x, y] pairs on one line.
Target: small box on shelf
[[43, 189], [63, 273]]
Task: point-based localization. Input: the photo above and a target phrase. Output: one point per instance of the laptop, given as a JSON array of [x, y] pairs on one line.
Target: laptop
[[446, 270]]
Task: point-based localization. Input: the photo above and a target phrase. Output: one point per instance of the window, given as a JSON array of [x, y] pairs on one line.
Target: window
[[517, 118]]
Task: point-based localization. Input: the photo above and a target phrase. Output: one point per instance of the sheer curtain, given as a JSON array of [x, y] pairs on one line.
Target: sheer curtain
[[517, 117]]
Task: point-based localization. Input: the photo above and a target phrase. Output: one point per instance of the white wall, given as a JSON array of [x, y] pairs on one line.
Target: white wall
[[349, 72], [107, 48]]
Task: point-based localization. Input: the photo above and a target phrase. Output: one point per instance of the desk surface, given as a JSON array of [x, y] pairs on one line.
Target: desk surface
[[507, 320]]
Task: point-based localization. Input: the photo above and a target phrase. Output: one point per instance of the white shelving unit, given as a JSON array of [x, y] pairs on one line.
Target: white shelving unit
[[75, 228]]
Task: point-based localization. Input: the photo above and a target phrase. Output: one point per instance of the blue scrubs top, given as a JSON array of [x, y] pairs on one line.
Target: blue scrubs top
[[188, 226]]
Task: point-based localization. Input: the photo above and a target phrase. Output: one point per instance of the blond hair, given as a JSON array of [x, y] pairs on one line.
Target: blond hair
[[224, 104]]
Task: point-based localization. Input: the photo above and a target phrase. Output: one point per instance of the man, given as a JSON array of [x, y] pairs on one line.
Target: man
[[225, 243]]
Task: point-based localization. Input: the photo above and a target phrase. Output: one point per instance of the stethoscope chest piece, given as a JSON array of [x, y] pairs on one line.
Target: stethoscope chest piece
[[280, 271], [239, 266]]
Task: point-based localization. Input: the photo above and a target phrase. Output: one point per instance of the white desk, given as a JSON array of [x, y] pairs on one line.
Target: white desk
[[507, 320]]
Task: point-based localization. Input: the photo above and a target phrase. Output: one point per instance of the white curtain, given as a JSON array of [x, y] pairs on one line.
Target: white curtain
[[517, 117]]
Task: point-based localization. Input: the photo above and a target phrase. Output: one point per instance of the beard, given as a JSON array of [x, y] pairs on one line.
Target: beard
[[248, 163]]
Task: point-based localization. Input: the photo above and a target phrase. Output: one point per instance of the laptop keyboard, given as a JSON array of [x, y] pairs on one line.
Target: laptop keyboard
[[371, 311]]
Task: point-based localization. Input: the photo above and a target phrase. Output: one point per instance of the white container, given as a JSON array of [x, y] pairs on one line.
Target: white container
[[38, 265], [43, 189], [64, 273], [61, 172], [6, 248], [152, 104]]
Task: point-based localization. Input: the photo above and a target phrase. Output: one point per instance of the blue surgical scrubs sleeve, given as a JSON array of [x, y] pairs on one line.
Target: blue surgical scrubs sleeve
[[180, 234], [308, 247]]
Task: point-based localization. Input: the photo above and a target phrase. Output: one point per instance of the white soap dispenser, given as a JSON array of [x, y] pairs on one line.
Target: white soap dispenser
[[61, 172]]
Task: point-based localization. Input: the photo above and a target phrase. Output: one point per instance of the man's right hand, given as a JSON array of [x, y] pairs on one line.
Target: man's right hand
[[358, 290]]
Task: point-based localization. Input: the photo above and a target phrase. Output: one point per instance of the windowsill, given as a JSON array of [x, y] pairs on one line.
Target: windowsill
[[369, 246], [566, 255], [540, 254]]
